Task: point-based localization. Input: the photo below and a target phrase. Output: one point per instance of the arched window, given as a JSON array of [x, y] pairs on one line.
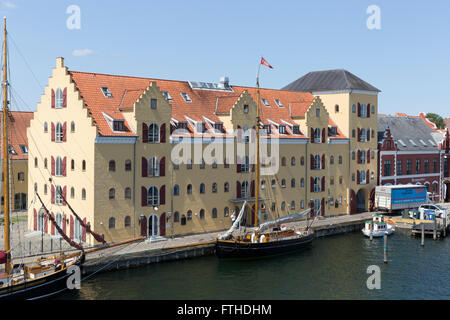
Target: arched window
[[72, 126], [83, 194], [331, 159], [317, 162], [83, 165], [340, 159], [127, 193], [202, 188], [317, 136], [127, 165], [302, 182], [176, 190], [189, 189], [183, 220], [58, 167], [59, 132], [189, 215], [202, 214], [226, 212], [244, 189], [226, 187], [283, 206], [283, 161], [112, 223], [59, 99], [176, 217], [293, 161], [274, 183], [214, 213], [127, 222], [153, 167], [292, 183], [302, 161], [152, 196], [363, 135], [292, 205], [153, 133], [317, 184], [58, 195], [112, 166], [283, 183], [112, 194], [214, 187]]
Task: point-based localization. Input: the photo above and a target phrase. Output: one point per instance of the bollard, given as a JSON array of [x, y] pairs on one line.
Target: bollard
[[435, 229], [385, 248], [423, 234]]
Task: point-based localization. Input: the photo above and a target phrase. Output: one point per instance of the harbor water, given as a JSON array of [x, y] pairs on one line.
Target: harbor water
[[334, 267]]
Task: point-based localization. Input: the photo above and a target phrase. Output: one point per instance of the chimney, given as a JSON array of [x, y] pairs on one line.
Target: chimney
[[224, 83]]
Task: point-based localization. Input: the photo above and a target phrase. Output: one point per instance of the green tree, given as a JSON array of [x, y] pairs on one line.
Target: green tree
[[436, 119]]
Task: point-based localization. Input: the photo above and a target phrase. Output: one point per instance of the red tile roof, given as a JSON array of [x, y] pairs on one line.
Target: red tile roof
[[18, 123], [204, 104]]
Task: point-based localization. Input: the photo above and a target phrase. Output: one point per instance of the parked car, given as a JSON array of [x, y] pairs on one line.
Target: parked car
[[439, 210]]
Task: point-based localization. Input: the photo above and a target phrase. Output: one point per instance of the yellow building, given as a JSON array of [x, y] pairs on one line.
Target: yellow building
[[18, 123], [159, 157]]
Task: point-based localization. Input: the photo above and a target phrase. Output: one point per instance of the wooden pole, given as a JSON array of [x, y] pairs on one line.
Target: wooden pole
[[385, 248], [422, 226]]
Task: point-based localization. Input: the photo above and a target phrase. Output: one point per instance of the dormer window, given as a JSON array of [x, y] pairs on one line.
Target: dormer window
[[218, 126], [11, 150], [265, 102], [24, 148], [106, 92], [182, 125], [333, 131], [282, 129], [296, 129], [118, 125], [278, 102], [167, 95], [201, 127], [186, 97], [266, 129]]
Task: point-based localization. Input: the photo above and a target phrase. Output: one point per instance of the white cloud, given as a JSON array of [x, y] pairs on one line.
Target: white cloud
[[82, 52], [9, 4]]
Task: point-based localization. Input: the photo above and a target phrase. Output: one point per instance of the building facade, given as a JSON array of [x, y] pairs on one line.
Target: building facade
[[141, 156], [412, 151], [18, 122]]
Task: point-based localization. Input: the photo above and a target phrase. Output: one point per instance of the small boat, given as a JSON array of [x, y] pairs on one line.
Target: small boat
[[380, 225]]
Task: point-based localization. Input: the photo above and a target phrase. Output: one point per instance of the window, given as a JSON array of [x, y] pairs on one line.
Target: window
[[363, 111], [127, 165], [363, 136], [340, 180], [58, 195], [278, 102], [283, 183], [362, 177], [112, 223], [214, 187], [186, 97], [317, 136], [267, 129], [292, 183], [202, 214], [354, 108], [226, 187], [189, 189], [59, 132], [214, 213], [282, 129], [72, 192], [153, 103], [176, 190], [317, 185], [244, 190], [363, 157], [331, 160], [127, 193], [83, 194], [226, 212], [340, 159], [317, 162], [408, 166], [83, 165], [302, 204], [202, 164], [176, 217], [58, 167], [373, 109], [112, 194], [435, 169], [272, 207], [72, 126], [112, 166], [45, 188], [331, 180], [399, 167], [127, 222], [183, 220], [245, 167], [283, 161], [336, 108], [59, 99], [293, 161], [24, 149], [426, 166], [292, 205], [302, 182], [417, 166], [266, 103], [45, 163], [202, 188], [167, 95], [317, 112], [153, 167], [189, 215], [273, 183], [119, 125], [353, 155], [189, 164], [283, 206], [45, 127], [245, 108], [263, 185], [153, 133], [302, 161], [106, 92], [152, 196], [387, 168]]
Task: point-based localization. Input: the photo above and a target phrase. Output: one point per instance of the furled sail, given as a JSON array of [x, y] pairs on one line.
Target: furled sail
[[87, 226], [235, 225], [285, 219], [61, 232]]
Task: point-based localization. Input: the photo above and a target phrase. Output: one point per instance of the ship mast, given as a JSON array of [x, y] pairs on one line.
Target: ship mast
[[5, 156], [257, 150]]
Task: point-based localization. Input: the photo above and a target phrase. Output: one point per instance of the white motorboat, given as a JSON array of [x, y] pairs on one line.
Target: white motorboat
[[380, 225]]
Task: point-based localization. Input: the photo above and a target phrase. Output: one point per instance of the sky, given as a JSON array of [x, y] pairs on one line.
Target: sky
[[406, 56]]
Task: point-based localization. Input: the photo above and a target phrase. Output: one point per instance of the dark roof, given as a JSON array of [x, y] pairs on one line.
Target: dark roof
[[329, 80], [405, 129]]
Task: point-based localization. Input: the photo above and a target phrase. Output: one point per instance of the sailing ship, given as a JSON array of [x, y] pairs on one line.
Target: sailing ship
[[261, 241], [46, 276]]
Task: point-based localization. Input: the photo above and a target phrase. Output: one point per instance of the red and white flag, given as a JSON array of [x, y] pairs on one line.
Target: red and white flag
[[264, 62]]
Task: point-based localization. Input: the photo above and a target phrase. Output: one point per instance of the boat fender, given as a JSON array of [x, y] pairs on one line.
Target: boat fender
[[262, 239]]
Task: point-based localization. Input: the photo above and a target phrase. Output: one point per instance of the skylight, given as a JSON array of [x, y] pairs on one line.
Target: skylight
[[278, 102], [265, 102], [106, 92], [431, 142], [24, 148], [186, 97], [423, 142], [412, 142], [11, 150], [167, 95], [402, 143]]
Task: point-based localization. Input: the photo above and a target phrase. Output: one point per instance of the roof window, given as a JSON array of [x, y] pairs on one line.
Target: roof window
[[186, 97], [106, 92]]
